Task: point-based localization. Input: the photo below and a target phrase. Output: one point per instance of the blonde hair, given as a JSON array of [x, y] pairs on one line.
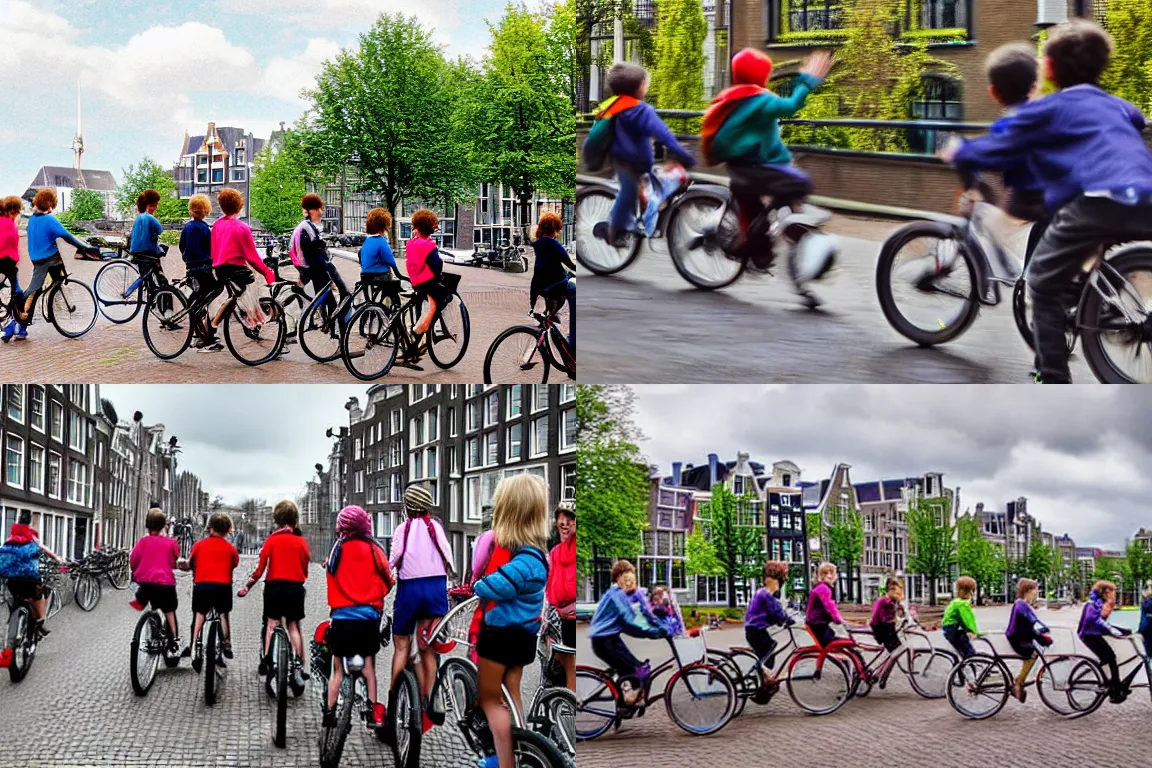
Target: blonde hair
[[824, 569], [520, 512], [199, 206]]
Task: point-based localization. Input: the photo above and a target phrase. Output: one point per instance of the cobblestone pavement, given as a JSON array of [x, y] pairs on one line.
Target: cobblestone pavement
[[76, 708], [112, 353], [893, 728]]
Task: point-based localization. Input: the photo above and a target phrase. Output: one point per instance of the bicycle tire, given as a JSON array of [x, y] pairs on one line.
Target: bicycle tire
[[66, 586], [1081, 691], [534, 750], [1021, 315], [458, 687], [311, 335], [555, 718], [144, 674], [678, 247], [595, 703], [697, 678], [929, 673], [281, 641], [119, 275], [726, 662], [166, 317], [979, 669], [408, 726], [5, 301], [23, 653], [269, 339], [441, 323], [588, 247], [1093, 306], [332, 739], [501, 372], [210, 692], [66, 299], [55, 603], [120, 574], [832, 668], [888, 251], [370, 328]]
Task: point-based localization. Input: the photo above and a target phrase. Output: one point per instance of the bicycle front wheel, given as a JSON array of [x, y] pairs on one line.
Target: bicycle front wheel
[[254, 344], [72, 308], [408, 726], [369, 343], [87, 592], [117, 291], [701, 232], [120, 574], [1071, 686], [211, 648], [448, 334], [332, 739], [595, 703], [23, 652], [280, 641], [458, 686], [145, 659], [534, 750], [167, 324], [54, 602], [555, 718], [517, 356], [319, 334], [978, 687], [818, 688], [593, 208], [700, 699]]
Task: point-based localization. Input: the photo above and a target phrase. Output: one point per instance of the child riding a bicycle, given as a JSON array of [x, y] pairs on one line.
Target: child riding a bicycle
[[822, 612], [20, 565], [763, 612], [425, 270], [309, 252], [885, 612], [1094, 626], [234, 254], [212, 562], [1025, 630], [196, 250], [615, 614], [959, 623], [358, 579], [10, 209], [550, 274], [376, 258], [146, 229], [153, 562]]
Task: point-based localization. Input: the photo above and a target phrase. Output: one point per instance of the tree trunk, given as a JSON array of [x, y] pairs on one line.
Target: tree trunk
[[932, 591], [731, 590]]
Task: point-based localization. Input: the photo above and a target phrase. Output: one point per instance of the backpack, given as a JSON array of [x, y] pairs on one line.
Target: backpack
[[20, 561], [598, 145]]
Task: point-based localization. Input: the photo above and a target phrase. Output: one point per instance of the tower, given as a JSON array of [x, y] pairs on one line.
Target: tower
[[78, 145]]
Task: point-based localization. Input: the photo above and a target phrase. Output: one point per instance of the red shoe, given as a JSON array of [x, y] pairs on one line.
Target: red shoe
[[427, 724], [136, 604], [6, 657], [378, 715]]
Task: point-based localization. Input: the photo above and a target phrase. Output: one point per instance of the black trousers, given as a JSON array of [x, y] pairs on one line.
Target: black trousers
[[750, 183], [613, 652], [1099, 646], [1077, 229]]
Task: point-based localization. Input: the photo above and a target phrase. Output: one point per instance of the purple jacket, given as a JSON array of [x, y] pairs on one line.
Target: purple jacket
[[765, 611], [1091, 619], [1023, 622], [821, 607], [635, 129]]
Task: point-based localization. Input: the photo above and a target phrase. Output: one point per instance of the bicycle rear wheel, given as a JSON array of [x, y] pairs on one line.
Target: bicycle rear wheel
[[145, 658], [978, 687], [87, 592], [458, 687], [517, 356], [700, 699], [118, 300], [256, 345], [210, 650], [72, 308], [369, 343], [318, 333], [929, 673], [332, 739], [448, 335], [1117, 342], [167, 324], [23, 652], [534, 750], [818, 688], [280, 643], [405, 712]]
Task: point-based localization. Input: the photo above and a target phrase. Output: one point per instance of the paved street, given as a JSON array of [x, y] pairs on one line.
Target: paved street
[[76, 708], [647, 324], [894, 728], [112, 353]]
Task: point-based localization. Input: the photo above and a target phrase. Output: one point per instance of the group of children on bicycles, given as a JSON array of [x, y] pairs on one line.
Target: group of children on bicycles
[[1073, 161]]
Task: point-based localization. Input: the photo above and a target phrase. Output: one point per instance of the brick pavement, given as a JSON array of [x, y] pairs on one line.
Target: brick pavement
[[76, 708], [112, 353]]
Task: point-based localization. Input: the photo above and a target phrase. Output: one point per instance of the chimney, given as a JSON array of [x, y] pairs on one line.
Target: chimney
[[713, 460], [676, 474]]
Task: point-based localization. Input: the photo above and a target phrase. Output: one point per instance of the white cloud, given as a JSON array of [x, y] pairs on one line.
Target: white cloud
[[284, 78]]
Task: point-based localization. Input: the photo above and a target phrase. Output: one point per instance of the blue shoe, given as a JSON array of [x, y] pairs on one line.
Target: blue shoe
[[21, 331], [9, 331], [489, 761]]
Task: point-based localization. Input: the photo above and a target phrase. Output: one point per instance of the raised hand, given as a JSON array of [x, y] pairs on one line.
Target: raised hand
[[818, 64]]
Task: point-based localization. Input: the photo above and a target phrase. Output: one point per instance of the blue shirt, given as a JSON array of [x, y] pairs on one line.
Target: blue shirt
[[196, 244], [376, 257], [635, 129], [1146, 615], [146, 234], [616, 613], [44, 230], [1019, 176], [517, 589], [1078, 141]]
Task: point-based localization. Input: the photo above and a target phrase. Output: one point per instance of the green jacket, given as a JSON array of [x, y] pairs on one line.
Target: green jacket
[[959, 611], [751, 134]]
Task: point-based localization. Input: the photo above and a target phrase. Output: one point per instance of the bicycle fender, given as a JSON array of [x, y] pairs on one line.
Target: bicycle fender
[[694, 192]]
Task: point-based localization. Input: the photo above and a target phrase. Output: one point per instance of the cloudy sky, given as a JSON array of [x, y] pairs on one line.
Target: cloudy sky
[[1081, 455], [244, 441], [151, 70]]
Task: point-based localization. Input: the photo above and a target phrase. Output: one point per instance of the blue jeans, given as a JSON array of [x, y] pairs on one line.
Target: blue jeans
[[624, 209]]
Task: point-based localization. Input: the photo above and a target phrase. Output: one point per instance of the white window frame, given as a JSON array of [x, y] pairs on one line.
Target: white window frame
[[490, 409], [567, 393], [33, 391], [77, 418], [491, 448], [77, 471], [515, 401], [519, 442], [472, 407], [532, 452], [536, 389], [567, 442], [397, 420], [468, 465], [564, 492], [22, 395], [56, 407], [36, 484], [20, 461], [470, 515]]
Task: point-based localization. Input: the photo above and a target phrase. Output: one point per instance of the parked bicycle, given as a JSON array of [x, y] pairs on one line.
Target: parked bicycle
[[86, 584], [526, 354]]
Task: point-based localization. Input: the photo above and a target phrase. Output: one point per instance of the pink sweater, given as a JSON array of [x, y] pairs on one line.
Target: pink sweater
[[153, 560], [416, 253], [420, 556], [232, 243], [9, 239]]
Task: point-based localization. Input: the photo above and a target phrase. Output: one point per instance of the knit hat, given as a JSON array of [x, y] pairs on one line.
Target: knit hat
[[417, 500], [751, 67], [353, 520]]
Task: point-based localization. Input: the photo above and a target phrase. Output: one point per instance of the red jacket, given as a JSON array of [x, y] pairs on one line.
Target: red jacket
[[286, 556], [363, 576], [213, 559], [561, 587]]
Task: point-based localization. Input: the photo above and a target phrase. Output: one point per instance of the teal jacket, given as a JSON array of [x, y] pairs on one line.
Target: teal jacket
[[751, 134]]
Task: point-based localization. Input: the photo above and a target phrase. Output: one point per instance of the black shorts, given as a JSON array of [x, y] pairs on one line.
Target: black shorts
[[354, 637], [205, 597], [762, 644], [162, 597], [435, 290], [885, 634], [509, 646], [25, 589], [823, 633], [568, 632], [284, 599]]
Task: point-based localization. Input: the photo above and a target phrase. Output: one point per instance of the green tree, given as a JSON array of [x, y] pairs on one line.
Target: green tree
[[700, 554], [277, 186], [1038, 564], [589, 14], [931, 542], [738, 547], [678, 74], [381, 107], [978, 557], [87, 205], [844, 534], [611, 476], [1138, 567], [147, 174], [1130, 74]]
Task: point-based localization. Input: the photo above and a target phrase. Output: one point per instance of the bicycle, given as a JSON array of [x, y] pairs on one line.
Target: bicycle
[[552, 712], [68, 304], [124, 286], [252, 343], [213, 656], [151, 641], [601, 695], [277, 678], [23, 637], [375, 334], [871, 665], [114, 564], [526, 354], [320, 326], [86, 584]]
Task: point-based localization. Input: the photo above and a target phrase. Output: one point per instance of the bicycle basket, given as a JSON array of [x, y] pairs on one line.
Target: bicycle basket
[[690, 649]]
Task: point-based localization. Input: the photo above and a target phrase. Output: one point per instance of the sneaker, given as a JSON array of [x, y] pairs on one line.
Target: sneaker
[[21, 331], [9, 331], [202, 343], [186, 652], [227, 649], [488, 761], [378, 715], [213, 347], [136, 604], [42, 631], [198, 659], [262, 668]]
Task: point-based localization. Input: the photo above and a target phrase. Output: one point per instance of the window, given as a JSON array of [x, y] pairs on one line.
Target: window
[[491, 409], [515, 398], [491, 449], [358, 449], [539, 397], [943, 14], [397, 421], [397, 489], [809, 15], [472, 508], [567, 393], [217, 175], [76, 431], [568, 432], [452, 422], [359, 488], [568, 481], [540, 436], [35, 468], [940, 99], [473, 456], [16, 402], [453, 467], [424, 428], [454, 501], [514, 451], [37, 397], [240, 155], [77, 481], [473, 409], [395, 453], [237, 174], [14, 461]]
